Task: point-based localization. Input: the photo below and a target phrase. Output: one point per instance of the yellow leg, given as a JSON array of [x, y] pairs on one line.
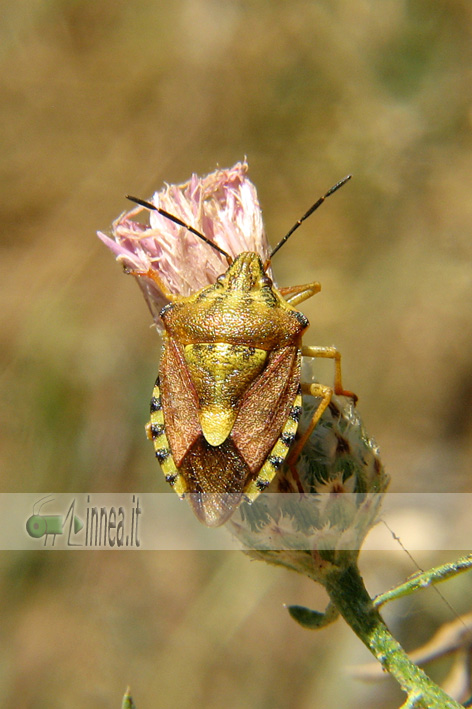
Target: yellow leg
[[319, 391], [322, 392], [153, 276], [331, 353], [297, 294]]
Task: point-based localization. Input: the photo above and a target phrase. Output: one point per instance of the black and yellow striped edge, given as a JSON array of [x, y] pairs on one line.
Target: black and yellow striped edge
[[156, 432], [278, 454]]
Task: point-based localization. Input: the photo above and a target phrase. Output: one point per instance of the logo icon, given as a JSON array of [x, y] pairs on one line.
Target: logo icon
[[40, 525]]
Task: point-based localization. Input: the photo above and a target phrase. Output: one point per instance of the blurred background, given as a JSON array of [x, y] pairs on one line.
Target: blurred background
[[104, 98]]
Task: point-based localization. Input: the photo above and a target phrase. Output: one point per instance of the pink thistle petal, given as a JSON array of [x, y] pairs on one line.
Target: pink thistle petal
[[223, 206]]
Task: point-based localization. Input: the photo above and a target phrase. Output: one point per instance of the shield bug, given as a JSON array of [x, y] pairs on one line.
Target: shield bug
[[228, 397]]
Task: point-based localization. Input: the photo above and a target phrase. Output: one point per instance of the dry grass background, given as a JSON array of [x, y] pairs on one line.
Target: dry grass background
[[103, 98]]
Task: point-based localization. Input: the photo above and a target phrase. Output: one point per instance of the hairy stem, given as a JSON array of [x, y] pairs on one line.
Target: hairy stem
[[348, 593]]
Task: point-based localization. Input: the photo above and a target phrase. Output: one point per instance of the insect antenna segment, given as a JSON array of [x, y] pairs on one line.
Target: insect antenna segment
[[176, 220], [307, 214]]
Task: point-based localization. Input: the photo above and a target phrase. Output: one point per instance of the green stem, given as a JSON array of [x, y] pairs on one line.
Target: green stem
[[348, 593], [425, 579]]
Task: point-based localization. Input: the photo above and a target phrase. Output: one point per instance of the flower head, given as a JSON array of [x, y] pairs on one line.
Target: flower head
[[343, 481], [223, 206]]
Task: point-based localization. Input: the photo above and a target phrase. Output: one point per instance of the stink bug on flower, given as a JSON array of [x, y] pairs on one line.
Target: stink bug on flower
[[226, 403]]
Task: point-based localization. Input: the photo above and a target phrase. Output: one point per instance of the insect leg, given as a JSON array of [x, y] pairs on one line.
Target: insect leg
[[297, 294], [152, 275], [319, 391], [331, 353], [322, 392]]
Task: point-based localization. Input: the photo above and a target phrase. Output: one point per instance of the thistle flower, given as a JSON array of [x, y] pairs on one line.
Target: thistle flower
[[223, 206]]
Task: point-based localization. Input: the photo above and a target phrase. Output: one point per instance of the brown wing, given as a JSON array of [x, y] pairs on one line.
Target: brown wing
[[215, 478], [179, 402], [266, 407]]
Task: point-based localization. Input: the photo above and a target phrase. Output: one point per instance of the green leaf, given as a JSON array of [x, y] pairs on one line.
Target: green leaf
[[313, 620]]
